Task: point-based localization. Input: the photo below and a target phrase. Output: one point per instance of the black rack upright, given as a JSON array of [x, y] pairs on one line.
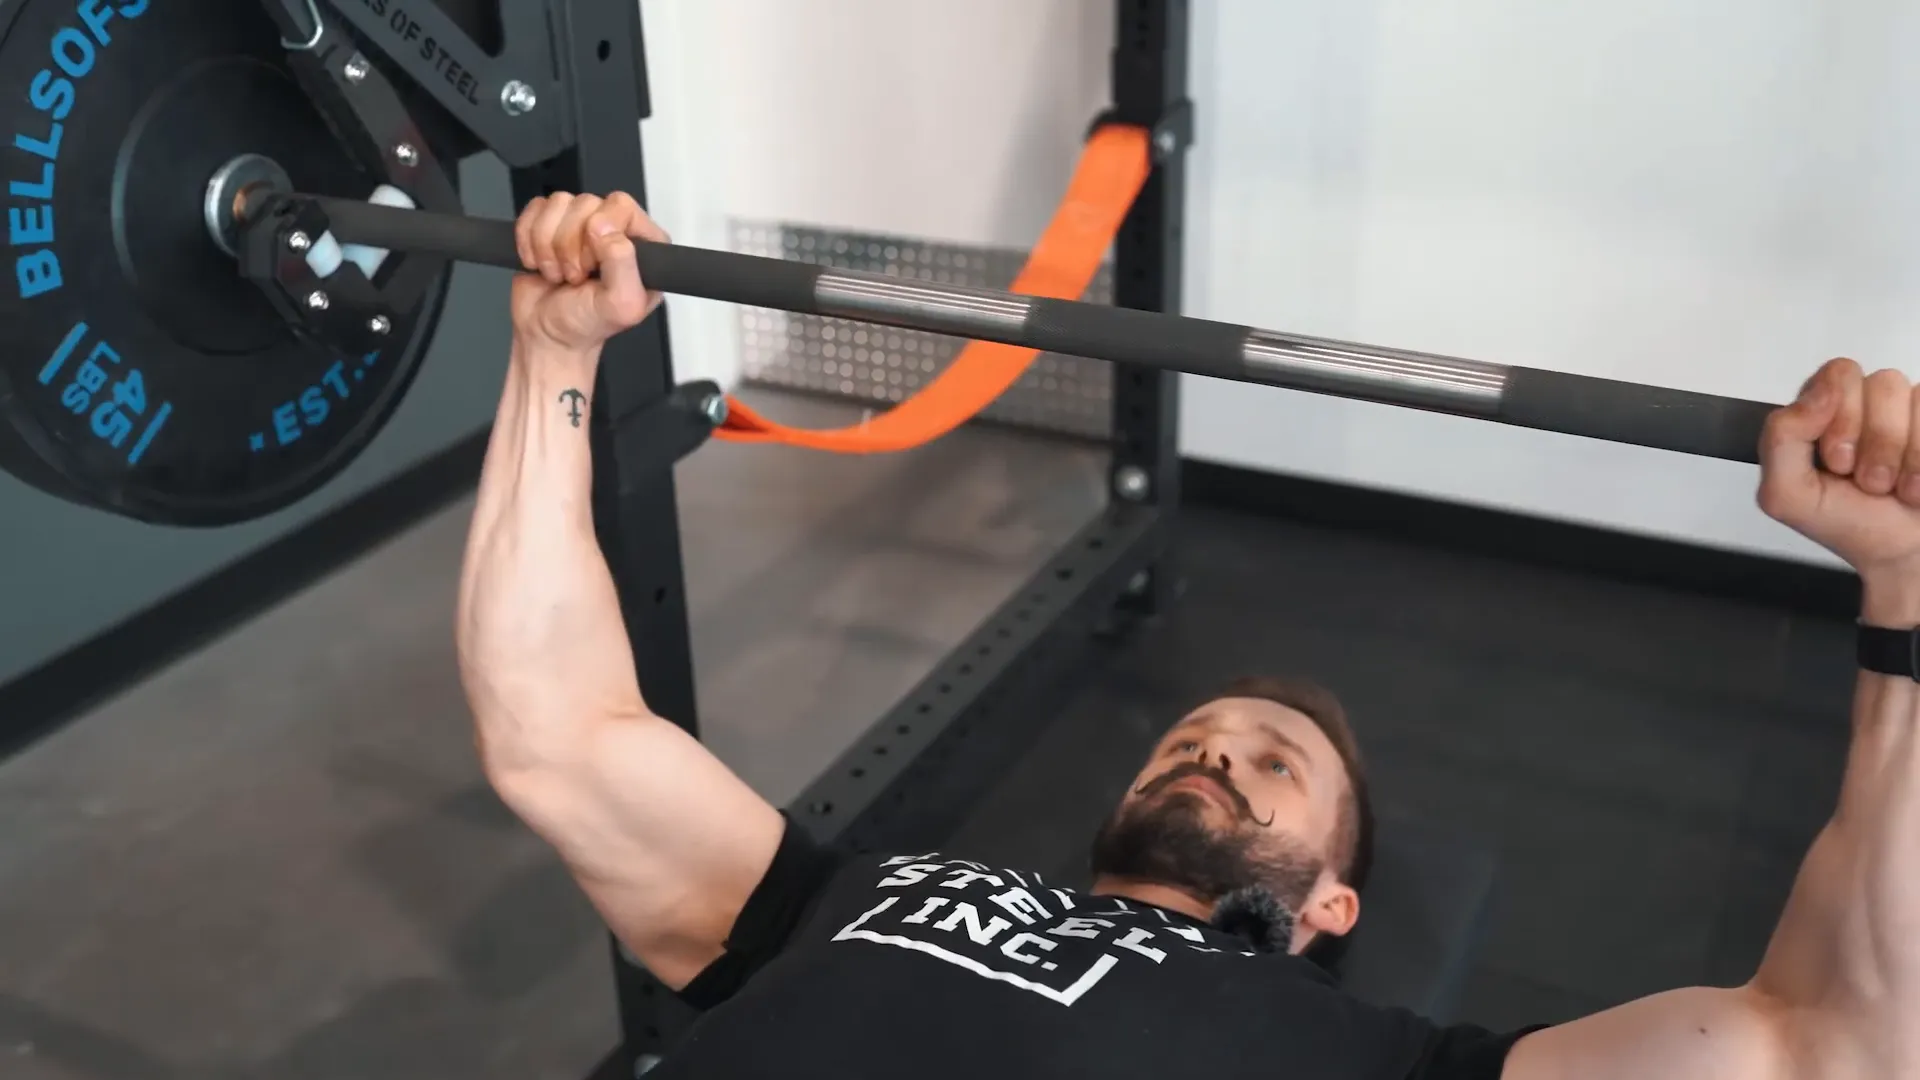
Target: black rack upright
[[910, 779], [1149, 87], [602, 47]]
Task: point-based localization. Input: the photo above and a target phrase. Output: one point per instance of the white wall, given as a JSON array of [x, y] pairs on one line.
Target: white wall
[[955, 122], [1708, 194], [679, 159]]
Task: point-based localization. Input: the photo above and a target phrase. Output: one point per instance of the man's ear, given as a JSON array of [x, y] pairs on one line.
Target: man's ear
[[1333, 908]]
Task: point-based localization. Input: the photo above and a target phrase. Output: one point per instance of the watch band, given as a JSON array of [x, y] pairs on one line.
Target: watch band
[[1889, 652]]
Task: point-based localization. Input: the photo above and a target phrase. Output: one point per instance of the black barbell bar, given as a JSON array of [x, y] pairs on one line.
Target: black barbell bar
[[1615, 411]]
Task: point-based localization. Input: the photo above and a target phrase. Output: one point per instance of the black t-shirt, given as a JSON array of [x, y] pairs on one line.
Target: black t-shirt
[[924, 966]]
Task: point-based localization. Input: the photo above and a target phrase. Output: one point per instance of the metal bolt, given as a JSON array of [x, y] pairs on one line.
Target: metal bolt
[[644, 1064], [517, 98], [356, 68], [317, 300], [714, 408], [298, 240], [1165, 143], [406, 154], [379, 324], [1131, 483], [1137, 584]]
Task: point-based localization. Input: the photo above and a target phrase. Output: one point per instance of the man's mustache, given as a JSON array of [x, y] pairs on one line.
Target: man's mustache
[[1187, 769]]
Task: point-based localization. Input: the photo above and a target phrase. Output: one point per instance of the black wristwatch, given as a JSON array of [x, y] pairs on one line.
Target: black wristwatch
[[1889, 652]]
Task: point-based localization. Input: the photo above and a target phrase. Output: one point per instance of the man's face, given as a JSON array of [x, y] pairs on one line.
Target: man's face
[[1242, 792]]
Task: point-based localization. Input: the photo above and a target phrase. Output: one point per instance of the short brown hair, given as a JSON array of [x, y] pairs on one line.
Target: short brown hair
[[1352, 842]]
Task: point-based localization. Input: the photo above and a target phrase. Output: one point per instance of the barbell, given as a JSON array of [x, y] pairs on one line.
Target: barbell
[[1624, 412], [209, 318]]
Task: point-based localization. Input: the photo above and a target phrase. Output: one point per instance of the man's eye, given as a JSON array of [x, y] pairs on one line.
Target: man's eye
[[1280, 768], [1187, 747]]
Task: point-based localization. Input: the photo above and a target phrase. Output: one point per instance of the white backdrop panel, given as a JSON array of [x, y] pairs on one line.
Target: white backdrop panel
[[1707, 194], [953, 122]]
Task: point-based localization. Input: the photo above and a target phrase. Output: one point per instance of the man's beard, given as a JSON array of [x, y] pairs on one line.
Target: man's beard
[[1167, 841]]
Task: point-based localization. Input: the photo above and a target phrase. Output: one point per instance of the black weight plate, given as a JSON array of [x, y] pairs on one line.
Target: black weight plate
[[140, 373]]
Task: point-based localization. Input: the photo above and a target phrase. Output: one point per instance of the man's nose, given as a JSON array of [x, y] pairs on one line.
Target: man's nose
[[1216, 756]]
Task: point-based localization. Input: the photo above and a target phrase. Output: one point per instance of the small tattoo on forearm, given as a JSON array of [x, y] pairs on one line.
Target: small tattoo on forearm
[[574, 399]]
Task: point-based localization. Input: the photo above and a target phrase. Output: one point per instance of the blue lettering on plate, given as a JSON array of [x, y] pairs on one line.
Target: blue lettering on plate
[[153, 428], [286, 426], [312, 407], [72, 54], [60, 353], [113, 407]]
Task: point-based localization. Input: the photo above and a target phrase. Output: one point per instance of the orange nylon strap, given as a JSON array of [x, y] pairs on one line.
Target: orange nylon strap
[[1113, 168]]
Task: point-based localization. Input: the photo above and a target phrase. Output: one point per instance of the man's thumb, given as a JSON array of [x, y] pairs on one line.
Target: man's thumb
[[1788, 465], [622, 296]]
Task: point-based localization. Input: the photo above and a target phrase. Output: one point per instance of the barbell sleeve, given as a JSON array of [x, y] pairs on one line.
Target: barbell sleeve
[[1706, 425]]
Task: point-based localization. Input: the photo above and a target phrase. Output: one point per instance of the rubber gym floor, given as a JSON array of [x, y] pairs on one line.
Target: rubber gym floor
[[277, 858]]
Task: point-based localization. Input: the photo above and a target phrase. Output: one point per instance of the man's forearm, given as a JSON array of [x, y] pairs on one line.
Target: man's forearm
[[1845, 958], [539, 464], [543, 648], [662, 837]]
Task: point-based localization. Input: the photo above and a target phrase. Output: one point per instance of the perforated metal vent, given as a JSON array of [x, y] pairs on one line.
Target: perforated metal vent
[[881, 366]]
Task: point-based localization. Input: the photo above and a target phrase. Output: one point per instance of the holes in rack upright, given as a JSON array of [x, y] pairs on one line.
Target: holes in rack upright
[[859, 773], [603, 50], [904, 729], [1065, 573], [820, 809]]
